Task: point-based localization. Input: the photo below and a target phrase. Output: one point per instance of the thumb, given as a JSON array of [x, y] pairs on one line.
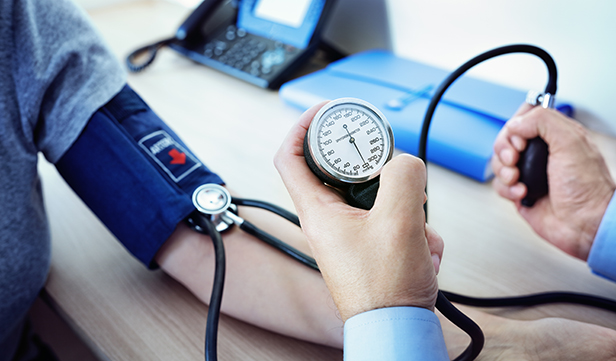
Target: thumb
[[402, 189], [549, 124], [523, 109]]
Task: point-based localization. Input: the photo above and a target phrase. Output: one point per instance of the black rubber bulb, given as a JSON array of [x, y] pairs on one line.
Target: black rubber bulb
[[533, 166]]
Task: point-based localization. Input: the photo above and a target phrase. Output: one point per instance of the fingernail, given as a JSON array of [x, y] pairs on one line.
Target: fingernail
[[436, 261], [515, 120], [517, 142]]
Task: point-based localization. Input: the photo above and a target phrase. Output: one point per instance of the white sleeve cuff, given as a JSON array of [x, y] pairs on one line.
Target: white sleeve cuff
[[396, 333], [602, 256]]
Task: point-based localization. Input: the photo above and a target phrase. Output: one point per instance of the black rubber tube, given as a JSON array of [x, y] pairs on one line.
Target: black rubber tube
[[465, 324], [445, 84], [279, 245], [535, 300], [269, 207], [213, 314]]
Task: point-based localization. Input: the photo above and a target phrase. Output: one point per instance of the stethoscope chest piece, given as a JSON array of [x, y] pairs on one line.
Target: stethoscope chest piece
[[211, 199], [214, 200]]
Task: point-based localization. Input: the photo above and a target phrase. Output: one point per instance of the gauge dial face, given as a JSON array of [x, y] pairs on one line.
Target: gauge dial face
[[350, 140]]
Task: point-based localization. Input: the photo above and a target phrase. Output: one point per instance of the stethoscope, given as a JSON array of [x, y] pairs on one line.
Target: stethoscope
[[216, 211]]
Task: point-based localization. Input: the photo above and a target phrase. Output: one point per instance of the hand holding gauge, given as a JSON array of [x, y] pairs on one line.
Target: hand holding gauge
[[340, 136], [346, 146], [358, 251]]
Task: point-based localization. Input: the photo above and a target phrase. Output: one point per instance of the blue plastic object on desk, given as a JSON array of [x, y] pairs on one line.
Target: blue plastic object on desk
[[466, 121]]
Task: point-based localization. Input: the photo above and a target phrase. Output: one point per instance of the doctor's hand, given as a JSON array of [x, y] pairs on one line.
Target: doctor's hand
[[580, 185], [384, 257]]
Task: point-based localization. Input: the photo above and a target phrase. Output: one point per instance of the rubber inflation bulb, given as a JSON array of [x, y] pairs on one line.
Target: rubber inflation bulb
[[363, 195], [533, 170]]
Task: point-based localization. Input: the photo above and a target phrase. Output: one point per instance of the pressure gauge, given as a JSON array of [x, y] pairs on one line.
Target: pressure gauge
[[348, 142]]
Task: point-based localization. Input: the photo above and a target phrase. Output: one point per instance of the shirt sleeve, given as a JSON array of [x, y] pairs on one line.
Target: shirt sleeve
[[602, 257], [61, 69], [396, 333]]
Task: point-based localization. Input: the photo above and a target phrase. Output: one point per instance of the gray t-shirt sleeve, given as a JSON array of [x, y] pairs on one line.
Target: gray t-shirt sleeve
[[62, 71], [55, 72]]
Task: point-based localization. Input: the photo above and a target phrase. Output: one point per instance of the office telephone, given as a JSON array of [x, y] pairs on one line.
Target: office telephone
[[259, 41]]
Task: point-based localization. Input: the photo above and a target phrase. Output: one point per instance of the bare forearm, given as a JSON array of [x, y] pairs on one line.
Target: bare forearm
[[262, 286]]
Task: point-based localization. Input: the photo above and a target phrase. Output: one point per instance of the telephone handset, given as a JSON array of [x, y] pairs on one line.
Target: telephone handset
[[207, 17], [259, 41]]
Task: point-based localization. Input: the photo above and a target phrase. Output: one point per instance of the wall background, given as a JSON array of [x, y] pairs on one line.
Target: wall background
[[580, 35]]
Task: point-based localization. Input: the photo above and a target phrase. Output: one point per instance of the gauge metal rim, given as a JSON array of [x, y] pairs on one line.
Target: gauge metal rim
[[318, 158]]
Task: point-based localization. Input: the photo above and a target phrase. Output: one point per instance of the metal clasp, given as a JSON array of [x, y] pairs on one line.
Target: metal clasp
[[546, 100]]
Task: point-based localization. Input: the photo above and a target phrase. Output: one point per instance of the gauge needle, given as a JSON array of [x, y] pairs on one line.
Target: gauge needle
[[352, 141]]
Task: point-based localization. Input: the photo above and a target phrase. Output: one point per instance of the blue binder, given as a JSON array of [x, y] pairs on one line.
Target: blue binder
[[465, 123]]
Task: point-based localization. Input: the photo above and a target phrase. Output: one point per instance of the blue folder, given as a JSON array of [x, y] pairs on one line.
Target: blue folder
[[464, 125]]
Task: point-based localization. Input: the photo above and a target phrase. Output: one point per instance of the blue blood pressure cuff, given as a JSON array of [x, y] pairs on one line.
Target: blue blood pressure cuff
[[134, 173]]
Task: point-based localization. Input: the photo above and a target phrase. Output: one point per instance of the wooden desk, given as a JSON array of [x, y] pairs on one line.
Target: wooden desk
[[129, 313]]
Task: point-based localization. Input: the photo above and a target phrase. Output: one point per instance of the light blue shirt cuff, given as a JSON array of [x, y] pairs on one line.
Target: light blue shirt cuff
[[602, 256], [396, 333]]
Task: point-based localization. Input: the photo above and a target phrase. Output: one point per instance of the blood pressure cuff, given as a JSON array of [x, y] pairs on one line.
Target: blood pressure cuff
[[134, 173]]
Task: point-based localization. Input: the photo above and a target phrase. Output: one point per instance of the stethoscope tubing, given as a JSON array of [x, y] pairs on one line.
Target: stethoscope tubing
[[443, 299]]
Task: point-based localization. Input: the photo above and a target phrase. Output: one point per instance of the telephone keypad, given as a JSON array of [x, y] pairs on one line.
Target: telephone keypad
[[250, 53]]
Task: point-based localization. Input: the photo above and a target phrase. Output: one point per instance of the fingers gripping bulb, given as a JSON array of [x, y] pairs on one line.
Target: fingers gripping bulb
[[534, 159]]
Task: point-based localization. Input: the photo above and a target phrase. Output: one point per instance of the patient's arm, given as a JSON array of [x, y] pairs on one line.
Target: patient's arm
[[270, 290], [262, 286]]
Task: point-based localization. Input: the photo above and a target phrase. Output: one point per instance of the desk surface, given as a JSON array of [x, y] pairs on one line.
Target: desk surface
[[129, 313]]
